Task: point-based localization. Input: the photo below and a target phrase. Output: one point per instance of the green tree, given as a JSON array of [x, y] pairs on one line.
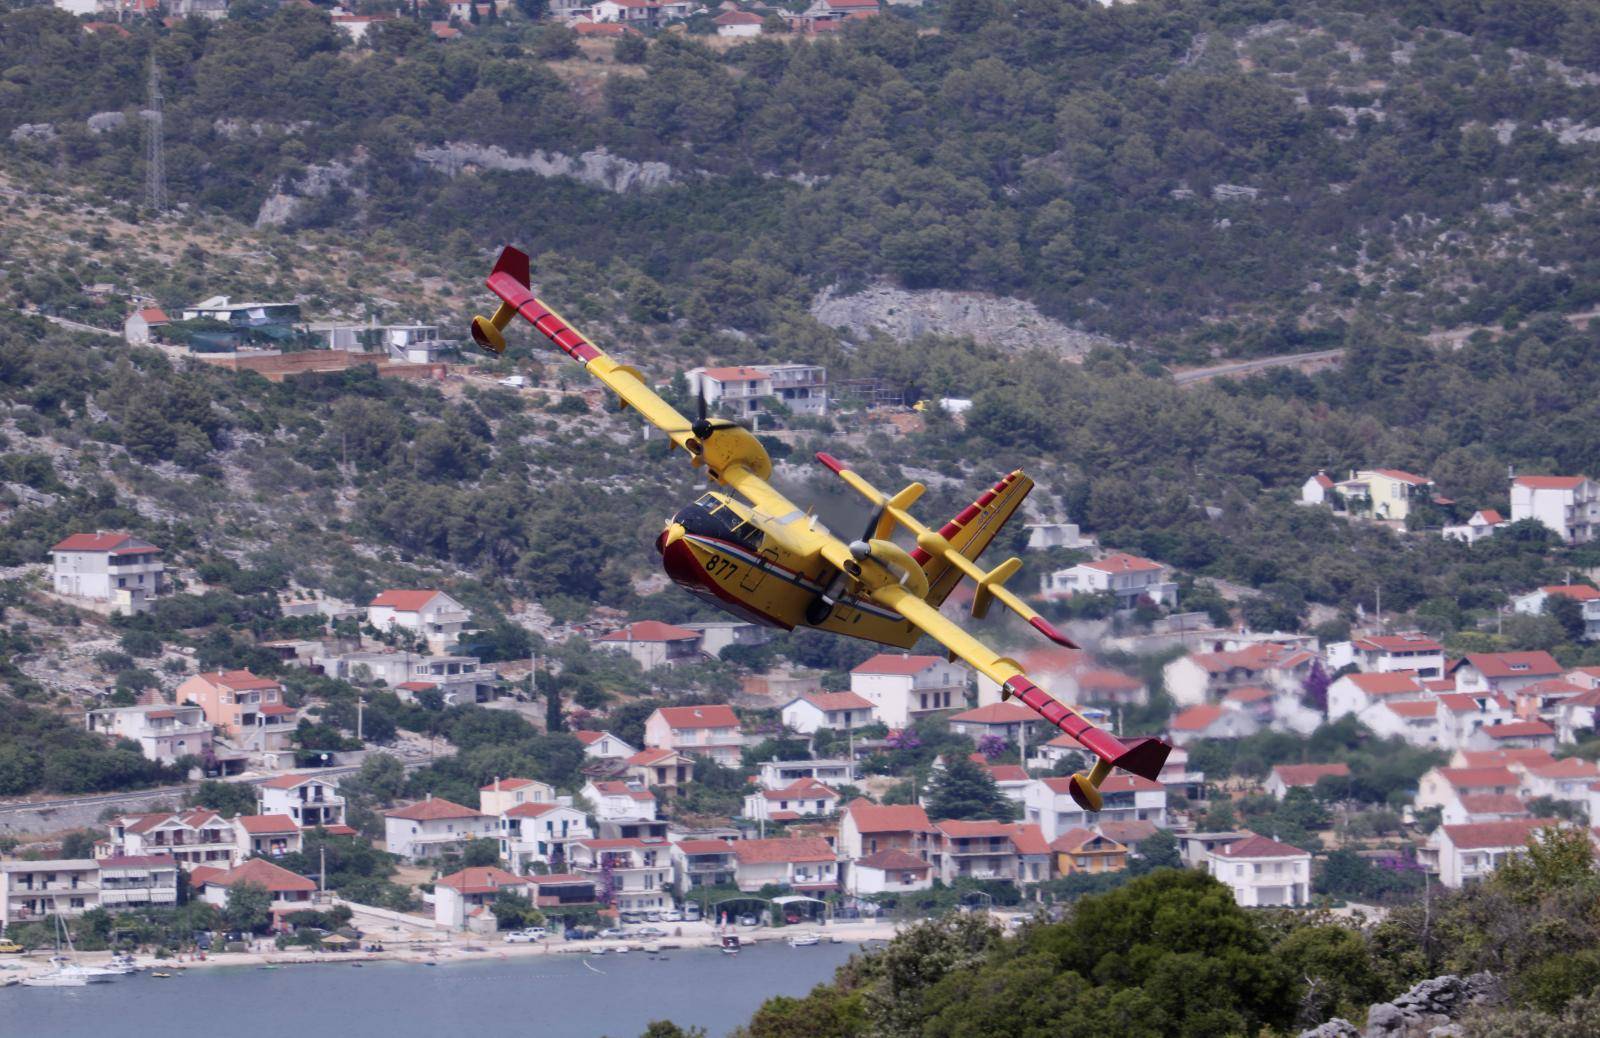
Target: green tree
[[226, 798], [480, 853], [249, 908], [963, 789]]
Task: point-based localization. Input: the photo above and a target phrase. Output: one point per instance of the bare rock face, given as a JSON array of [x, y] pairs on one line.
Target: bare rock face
[[317, 182], [100, 122], [597, 168], [1428, 1010], [42, 132], [902, 314]]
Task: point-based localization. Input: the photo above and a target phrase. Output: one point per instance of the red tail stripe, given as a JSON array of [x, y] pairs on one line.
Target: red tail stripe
[[829, 462], [1097, 740]]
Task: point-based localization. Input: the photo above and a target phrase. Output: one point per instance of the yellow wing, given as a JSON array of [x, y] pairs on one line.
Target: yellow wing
[[510, 281]]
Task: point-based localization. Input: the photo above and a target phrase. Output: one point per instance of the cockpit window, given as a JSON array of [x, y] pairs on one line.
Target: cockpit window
[[710, 516]]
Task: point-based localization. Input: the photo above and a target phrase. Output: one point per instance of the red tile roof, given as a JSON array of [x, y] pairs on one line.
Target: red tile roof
[[1196, 718], [1518, 730], [530, 810], [996, 713], [887, 818], [793, 848], [290, 781], [404, 601], [1467, 702], [622, 789], [1413, 708], [893, 860], [1550, 482], [679, 718], [895, 663], [799, 788], [237, 680], [480, 880], [1478, 778], [826, 701], [704, 846], [261, 872], [1007, 772], [139, 861], [263, 825], [1482, 835], [1576, 592], [736, 374], [1102, 680], [431, 809], [1129, 832], [507, 784], [737, 18], [1493, 804], [1513, 664], [1398, 643], [590, 738], [1248, 694], [650, 631], [652, 756], [1393, 683], [115, 543], [1254, 846], [1073, 840], [1120, 562], [1527, 756], [1293, 775], [1569, 767], [1404, 476]]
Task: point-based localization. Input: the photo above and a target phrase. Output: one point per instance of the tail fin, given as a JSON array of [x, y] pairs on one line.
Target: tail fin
[[971, 531], [510, 281]]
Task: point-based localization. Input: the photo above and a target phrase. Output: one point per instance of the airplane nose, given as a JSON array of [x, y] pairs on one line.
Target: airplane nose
[[671, 534]]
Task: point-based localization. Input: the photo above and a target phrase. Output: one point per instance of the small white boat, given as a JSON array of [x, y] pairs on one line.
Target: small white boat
[[56, 979], [730, 944], [804, 940]]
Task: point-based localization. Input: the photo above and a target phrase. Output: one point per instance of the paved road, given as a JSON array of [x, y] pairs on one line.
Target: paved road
[[77, 326], [1250, 367]]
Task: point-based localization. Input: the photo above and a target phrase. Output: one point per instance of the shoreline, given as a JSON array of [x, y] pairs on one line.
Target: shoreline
[[457, 948]]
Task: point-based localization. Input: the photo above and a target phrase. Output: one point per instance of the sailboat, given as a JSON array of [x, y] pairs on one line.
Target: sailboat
[[69, 973]]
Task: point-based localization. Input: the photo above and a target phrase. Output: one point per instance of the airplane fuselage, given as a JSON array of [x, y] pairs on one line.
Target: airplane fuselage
[[769, 570]]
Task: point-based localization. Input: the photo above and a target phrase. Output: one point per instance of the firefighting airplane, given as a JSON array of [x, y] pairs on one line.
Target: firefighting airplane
[[764, 559]]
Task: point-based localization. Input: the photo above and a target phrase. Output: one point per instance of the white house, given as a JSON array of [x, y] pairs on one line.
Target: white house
[[888, 872], [503, 794], [1566, 779], [1414, 721], [1568, 505], [540, 832], [801, 799], [144, 324], [802, 863], [702, 863], [802, 388], [1314, 491], [631, 874], [711, 731], [1387, 653], [462, 894], [1519, 735], [661, 768], [653, 644], [1503, 672], [433, 826], [1209, 721], [309, 800], [1445, 787], [1481, 526], [776, 774], [267, 836], [431, 615], [1262, 872], [604, 746], [1462, 716], [1129, 578], [1010, 721], [615, 801], [164, 733], [1042, 536], [902, 688], [109, 567], [1048, 803], [1460, 853], [1285, 777], [1587, 597], [840, 711], [36, 891], [1576, 716], [1355, 693], [290, 893], [1204, 677]]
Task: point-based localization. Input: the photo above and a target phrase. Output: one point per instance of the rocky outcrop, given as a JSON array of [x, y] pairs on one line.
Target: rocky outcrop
[[42, 132], [1428, 1010], [1012, 324], [316, 182], [101, 122], [597, 168]]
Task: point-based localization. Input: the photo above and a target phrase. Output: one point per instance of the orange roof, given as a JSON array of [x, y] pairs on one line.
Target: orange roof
[[622, 789], [404, 601], [1478, 778], [480, 880], [262, 872], [1392, 683], [1467, 702], [1254, 846], [530, 810], [115, 543], [1007, 772], [1196, 718], [1248, 694], [1552, 687], [262, 825], [1481, 835], [238, 680], [704, 846], [1417, 708], [1577, 592], [1513, 664], [154, 315], [1121, 562], [590, 738], [1493, 804], [650, 631], [895, 860], [793, 848], [652, 756], [509, 784], [1570, 767], [997, 713], [1527, 756], [1404, 476], [1307, 774], [1128, 832], [1550, 482], [887, 818], [897, 663], [1102, 680], [735, 374], [736, 18], [804, 787], [1074, 839], [431, 809], [826, 701], [1518, 730], [293, 780], [1399, 643], [712, 715]]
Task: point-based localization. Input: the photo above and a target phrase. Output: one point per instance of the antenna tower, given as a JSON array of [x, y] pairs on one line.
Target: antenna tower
[[156, 164]]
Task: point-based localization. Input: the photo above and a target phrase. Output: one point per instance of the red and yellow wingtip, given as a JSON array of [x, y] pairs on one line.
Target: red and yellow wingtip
[[1045, 628], [1142, 757], [510, 280]]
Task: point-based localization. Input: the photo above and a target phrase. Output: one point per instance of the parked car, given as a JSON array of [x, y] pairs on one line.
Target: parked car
[[652, 917], [612, 933], [10, 948], [791, 918], [526, 936], [579, 933], [673, 916], [632, 917], [747, 920], [691, 912], [650, 931]]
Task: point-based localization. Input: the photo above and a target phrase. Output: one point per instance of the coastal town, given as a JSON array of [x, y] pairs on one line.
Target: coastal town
[[799, 799]]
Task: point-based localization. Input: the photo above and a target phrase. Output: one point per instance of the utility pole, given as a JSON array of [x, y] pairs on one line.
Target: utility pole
[[360, 703], [322, 869], [156, 160], [1377, 609]]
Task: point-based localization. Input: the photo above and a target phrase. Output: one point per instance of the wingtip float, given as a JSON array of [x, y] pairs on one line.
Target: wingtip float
[[755, 554]]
